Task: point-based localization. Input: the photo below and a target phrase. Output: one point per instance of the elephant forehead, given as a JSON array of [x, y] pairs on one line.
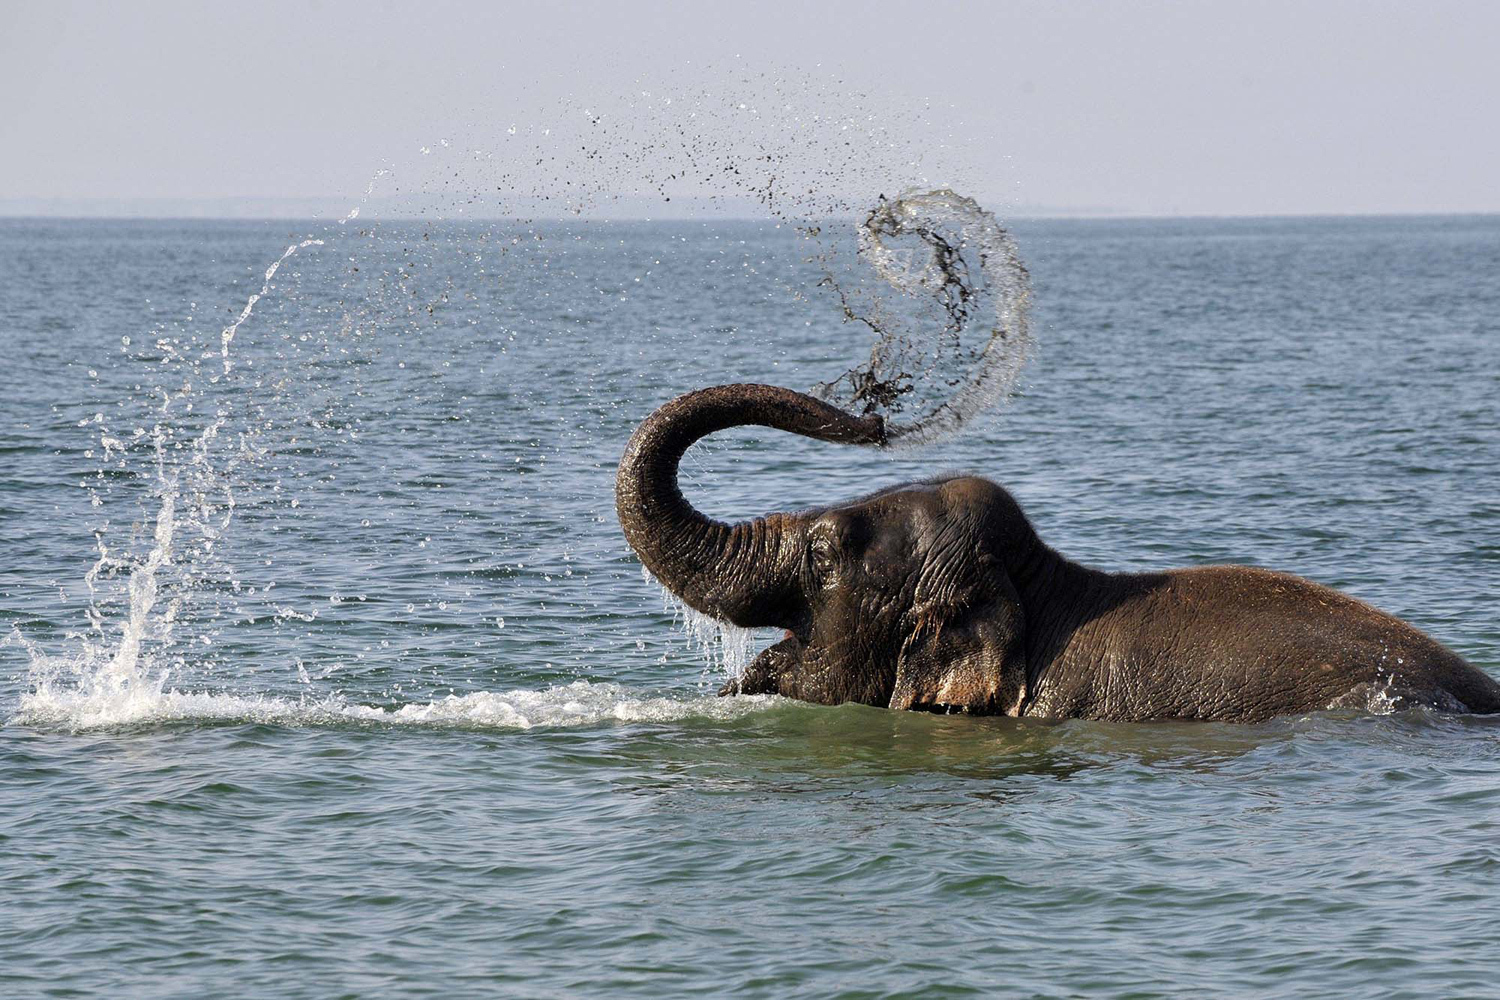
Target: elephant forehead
[[915, 518], [943, 499], [895, 513], [910, 501]]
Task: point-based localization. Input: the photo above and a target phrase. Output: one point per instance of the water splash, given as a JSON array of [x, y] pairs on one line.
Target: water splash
[[951, 342], [178, 451], [126, 673], [1391, 695], [227, 337]]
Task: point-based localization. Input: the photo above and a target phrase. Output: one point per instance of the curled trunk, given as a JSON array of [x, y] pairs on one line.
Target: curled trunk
[[745, 573]]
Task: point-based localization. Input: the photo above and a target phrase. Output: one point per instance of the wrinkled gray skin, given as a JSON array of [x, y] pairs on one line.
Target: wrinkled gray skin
[[940, 596]]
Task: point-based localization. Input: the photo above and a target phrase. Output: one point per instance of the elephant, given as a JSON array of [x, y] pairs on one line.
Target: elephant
[[940, 596]]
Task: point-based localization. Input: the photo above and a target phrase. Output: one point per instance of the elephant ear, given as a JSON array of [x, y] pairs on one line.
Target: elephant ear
[[965, 654]]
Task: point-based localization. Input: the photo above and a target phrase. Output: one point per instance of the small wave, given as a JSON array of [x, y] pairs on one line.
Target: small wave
[[1390, 697], [570, 705]]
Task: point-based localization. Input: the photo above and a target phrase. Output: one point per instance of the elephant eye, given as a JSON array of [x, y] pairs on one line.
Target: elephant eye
[[822, 554]]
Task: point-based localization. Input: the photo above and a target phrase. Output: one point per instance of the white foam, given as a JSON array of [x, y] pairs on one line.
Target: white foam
[[580, 703]]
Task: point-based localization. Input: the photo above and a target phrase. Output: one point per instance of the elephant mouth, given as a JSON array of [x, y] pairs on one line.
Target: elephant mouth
[[770, 672]]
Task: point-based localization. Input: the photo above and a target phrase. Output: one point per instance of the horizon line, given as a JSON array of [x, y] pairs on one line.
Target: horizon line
[[1049, 216]]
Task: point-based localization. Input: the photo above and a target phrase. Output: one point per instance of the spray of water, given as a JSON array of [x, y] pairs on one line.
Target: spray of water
[[119, 672], [948, 315], [227, 337]]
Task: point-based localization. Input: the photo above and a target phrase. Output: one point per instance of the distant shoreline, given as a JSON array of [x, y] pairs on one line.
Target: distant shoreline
[[1032, 216]]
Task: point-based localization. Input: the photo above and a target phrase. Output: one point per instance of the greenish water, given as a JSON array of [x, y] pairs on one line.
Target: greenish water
[[391, 711]]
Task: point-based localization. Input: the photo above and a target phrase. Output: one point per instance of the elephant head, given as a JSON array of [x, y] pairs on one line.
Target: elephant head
[[904, 598]]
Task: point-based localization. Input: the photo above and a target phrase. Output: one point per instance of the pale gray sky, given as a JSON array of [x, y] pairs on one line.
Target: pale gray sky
[[1265, 107]]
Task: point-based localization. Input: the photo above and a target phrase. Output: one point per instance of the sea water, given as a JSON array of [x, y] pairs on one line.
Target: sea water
[[326, 669]]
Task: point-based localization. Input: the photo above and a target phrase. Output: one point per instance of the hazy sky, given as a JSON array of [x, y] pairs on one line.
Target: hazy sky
[[1159, 108]]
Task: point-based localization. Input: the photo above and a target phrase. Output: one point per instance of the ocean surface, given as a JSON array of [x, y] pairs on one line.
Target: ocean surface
[[327, 672]]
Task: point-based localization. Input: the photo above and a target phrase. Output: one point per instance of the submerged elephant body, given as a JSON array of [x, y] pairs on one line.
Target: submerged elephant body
[[940, 595]]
